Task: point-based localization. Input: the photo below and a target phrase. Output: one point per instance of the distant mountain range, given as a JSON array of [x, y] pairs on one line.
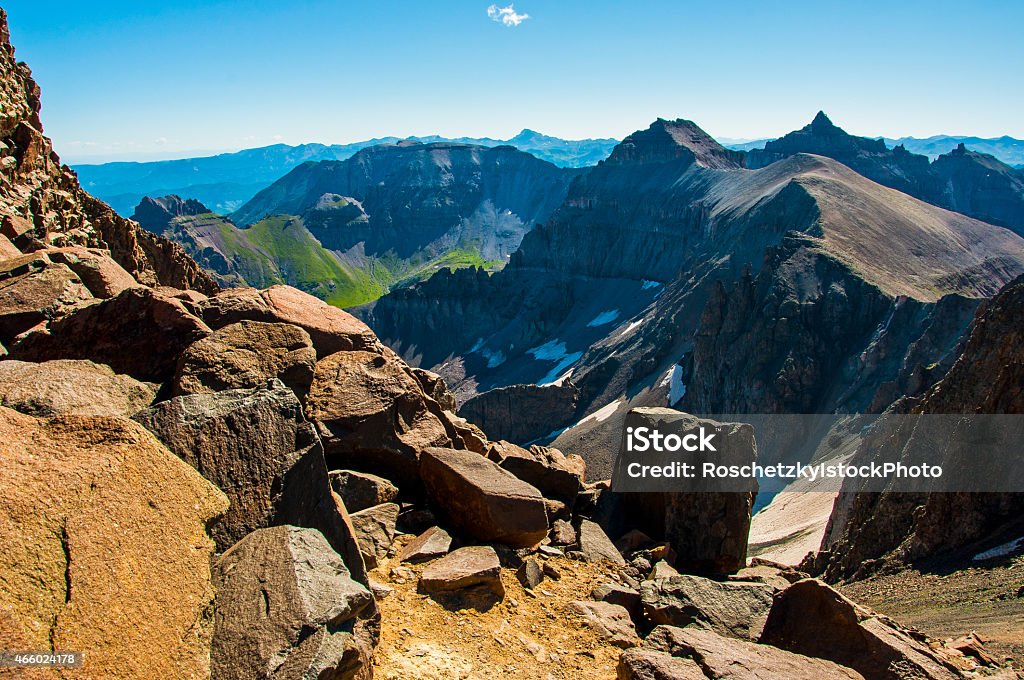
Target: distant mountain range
[[227, 181], [1006, 149], [392, 214]]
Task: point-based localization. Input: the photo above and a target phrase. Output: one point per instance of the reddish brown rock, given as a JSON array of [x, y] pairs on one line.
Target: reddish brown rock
[[727, 658], [811, 618], [331, 329], [595, 546], [104, 277], [481, 499], [69, 387], [432, 543], [375, 531], [464, 568], [361, 490], [733, 609], [105, 547], [247, 354], [553, 473], [140, 333], [372, 414], [610, 621], [34, 291]]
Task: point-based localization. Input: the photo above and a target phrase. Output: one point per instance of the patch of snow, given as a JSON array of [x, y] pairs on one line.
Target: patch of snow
[[604, 318], [674, 381], [631, 326], [604, 413], [562, 378], [1001, 550], [553, 375], [494, 359], [648, 284], [476, 345], [554, 350]]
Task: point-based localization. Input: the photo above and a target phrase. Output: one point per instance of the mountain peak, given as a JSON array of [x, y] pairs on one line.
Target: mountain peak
[[823, 125], [674, 139]]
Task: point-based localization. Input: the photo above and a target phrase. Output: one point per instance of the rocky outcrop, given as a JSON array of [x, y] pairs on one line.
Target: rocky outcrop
[[522, 413], [115, 564], [669, 653], [34, 291], [356, 399], [286, 608], [249, 442], [155, 214], [731, 608], [810, 618], [331, 329], [140, 332], [869, 530], [68, 387], [483, 500], [247, 354], [42, 204]]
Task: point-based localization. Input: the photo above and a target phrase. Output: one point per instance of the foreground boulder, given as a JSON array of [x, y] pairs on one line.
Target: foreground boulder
[[811, 618], [595, 546], [287, 608], [104, 277], [361, 490], [140, 332], [255, 445], [671, 653], [375, 531], [464, 568], [732, 609], [32, 289], [70, 387], [247, 354], [105, 547], [373, 415], [331, 329], [481, 499], [549, 470]]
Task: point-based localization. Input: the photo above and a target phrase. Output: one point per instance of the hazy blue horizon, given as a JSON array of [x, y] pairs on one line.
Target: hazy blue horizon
[[157, 80]]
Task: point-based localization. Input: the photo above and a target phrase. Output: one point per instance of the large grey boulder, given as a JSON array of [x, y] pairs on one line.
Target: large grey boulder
[[247, 354], [287, 607], [732, 609], [481, 499], [70, 387], [255, 445]]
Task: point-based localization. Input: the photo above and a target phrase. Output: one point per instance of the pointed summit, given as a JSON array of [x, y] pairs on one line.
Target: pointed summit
[[823, 125], [668, 140]]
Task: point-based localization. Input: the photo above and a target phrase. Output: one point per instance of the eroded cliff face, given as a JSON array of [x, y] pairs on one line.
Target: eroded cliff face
[[42, 204], [871, 530]]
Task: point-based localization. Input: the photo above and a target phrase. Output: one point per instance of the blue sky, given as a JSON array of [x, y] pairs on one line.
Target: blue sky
[[161, 79]]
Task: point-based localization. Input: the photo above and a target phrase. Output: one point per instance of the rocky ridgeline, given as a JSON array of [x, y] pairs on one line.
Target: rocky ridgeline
[[213, 500]]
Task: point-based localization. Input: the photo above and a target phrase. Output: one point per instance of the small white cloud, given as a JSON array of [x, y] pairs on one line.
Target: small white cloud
[[506, 15], [160, 141]]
